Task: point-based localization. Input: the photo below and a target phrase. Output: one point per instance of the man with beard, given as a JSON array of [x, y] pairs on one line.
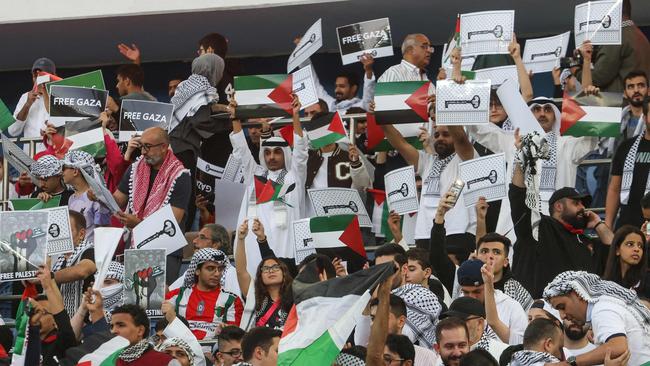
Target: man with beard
[[452, 340], [560, 244], [542, 344], [576, 341], [636, 90]]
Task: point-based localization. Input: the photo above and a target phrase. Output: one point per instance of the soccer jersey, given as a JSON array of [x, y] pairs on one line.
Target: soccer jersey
[[207, 311]]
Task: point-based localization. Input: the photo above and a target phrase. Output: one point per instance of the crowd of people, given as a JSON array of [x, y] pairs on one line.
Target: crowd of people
[[532, 279]]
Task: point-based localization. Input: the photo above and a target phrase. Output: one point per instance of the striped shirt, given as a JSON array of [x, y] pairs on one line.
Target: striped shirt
[[404, 71]]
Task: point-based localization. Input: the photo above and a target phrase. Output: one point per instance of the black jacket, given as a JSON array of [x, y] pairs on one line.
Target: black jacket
[[53, 350]]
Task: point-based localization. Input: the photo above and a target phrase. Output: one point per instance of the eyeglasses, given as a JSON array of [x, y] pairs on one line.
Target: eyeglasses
[[388, 359], [269, 269], [147, 147], [235, 352]]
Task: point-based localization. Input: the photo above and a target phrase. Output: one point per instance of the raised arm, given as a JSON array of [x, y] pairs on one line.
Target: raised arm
[[444, 267], [613, 200], [491, 313], [379, 328], [369, 81], [462, 145], [525, 86], [587, 50], [78, 272], [243, 277], [481, 213], [395, 138]]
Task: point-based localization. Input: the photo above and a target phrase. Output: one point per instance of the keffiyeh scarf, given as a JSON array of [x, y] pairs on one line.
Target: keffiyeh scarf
[[132, 353], [346, 359], [178, 342], [80, 160], [533, 148], [507, 125], [433, 180], [46, 166], [113, 295], [549, 167], [202, 256], [190, 95], [590, 288], [529, 358], [515, 290], [143, 203], [72, 291], [486, 337], [628, 171], [423, 310]]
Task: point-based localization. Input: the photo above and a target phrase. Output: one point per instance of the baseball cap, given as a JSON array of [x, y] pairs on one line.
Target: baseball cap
[[469, 273], [44, 64], [569, 192], [465, 307]]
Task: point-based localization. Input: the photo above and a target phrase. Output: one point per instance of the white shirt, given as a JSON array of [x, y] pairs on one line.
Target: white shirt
[[512, 315], [459, 219], [425, 356], [609, 318], [35, 121], [579, 351], [495, 348], [404, 71]]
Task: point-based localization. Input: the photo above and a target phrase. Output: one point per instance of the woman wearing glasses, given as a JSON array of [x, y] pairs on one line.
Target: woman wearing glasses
[[272, 299]]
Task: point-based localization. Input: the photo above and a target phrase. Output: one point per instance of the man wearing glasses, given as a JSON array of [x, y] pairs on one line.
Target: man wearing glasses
[[416, 54], [228, 348]]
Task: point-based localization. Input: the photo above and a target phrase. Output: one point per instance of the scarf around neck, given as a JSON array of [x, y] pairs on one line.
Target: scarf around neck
[[190, 95], [433, 180], [142, 204], [628, 170], [529, 358], [132, 353]]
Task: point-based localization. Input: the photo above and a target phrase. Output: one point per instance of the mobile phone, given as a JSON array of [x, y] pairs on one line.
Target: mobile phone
[[456, 189]]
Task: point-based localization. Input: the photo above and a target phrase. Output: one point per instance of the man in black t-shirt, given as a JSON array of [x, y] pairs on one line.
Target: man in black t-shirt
[[629, 178]]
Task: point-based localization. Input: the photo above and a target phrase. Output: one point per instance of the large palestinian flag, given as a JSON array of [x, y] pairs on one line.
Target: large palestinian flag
[[19, 350], [589, 115], [325, 129], [377, 140], [401, 102], [263, 96], [325, 313], [339, 236], [86, 135]]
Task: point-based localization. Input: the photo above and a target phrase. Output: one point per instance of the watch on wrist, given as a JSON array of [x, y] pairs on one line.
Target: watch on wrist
[[572, 361]]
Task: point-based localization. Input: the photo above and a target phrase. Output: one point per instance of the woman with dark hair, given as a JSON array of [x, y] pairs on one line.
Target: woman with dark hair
[[627, 263], [273, 296]]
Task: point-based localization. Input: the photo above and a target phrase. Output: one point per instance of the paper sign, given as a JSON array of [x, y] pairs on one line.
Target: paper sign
[[486, 32], [484, 177], [543, 54], [159, 231], [211, 169], [59, 235], [310, 42], [339, 201], [462, 104], [23, 244], [110, 238], [303, 241], [138, 115], [373, 37], [401, 191], [92, 80], [498, 75], [228, 197], [518, 112], [144, 279], [303, 86], [599, 22], [103, 194], [16, 157], [70, 103]]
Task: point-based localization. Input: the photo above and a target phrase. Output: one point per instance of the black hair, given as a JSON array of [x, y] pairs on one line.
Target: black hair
[[478, 357], [645, 201], [540, 329], [492, 237], [634, 274], [355, 110], [357, 351], [323, 263], [389, 249], [401, 345], [449, 323], [421, 256], [506, 355], [230, 333], [353, 78], [132, 72], [138, 314], [258, 337], [41, 297], [397, 305], [218, 43], [627, 8], [78, 220], [636, 73], [161, 325]]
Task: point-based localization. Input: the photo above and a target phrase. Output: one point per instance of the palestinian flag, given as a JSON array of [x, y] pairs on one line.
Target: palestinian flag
[[377, 141], [6, 117], [22, 325], [287, 134], [401, 102], [263, 96], [267, 190], [44, 77], [31, 204], [92, 80], [339, 236], [86, 135], [325, 130], [106, 354], [380, 214], [325, 313], [591, 115], [453, 42]]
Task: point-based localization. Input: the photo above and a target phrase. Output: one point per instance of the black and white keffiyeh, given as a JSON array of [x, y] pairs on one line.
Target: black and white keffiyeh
[[422, 312], [346, 359], [178, 342], [202, 256], [590, 288], [190, 95], [484, 342], [628, 171], [515, 290], [432, 182], [79, 159], [72, 291], [549, 166], [530, 358], [533, 148], [507, 125], [132, 353], [115, 271], [46, 166]]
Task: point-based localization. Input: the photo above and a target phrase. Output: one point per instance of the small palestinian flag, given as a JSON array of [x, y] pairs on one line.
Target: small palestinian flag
[[31, 204], [6, 117], [325, 313], [401, 102], [86, 135], [377, 140], [339, 236], [263, 96], [453, 42], [267, 190], [106, 354], [325, 129], [287, 134], [19, 350], [380, 215], [591, 115]]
